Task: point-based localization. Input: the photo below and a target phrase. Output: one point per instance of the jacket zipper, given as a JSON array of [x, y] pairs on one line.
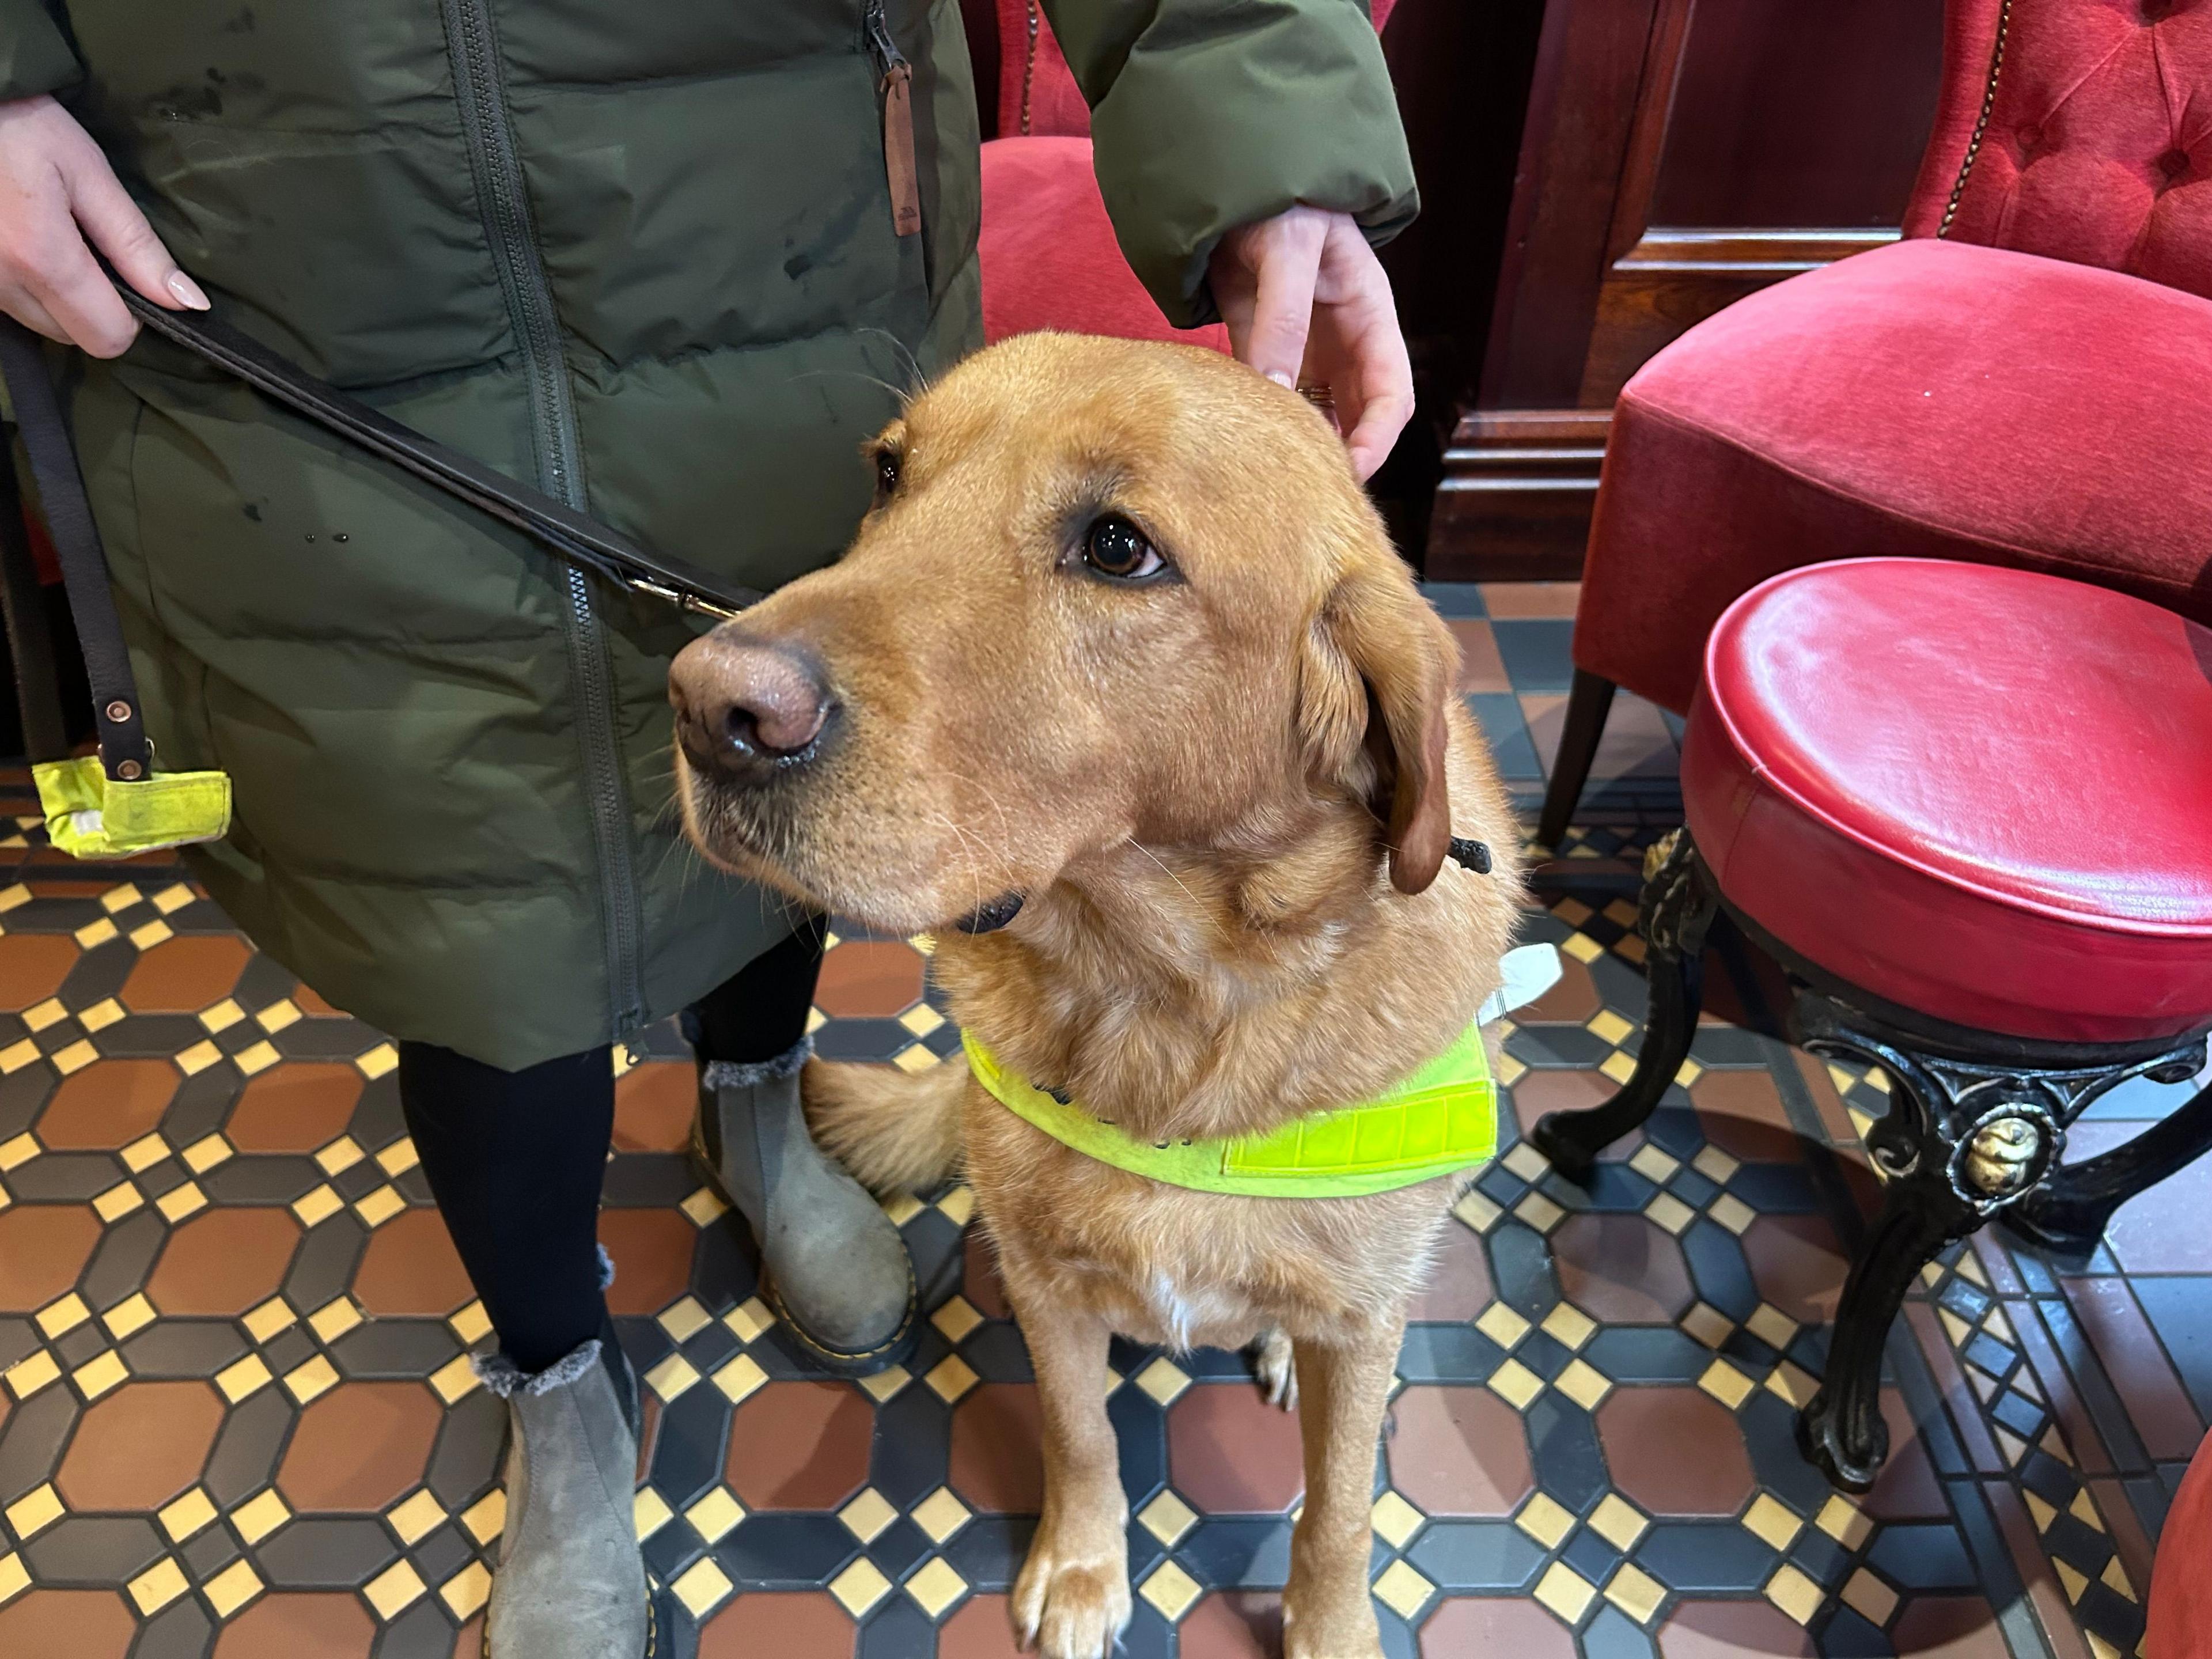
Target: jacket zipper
[[895, 80], [472, 46]]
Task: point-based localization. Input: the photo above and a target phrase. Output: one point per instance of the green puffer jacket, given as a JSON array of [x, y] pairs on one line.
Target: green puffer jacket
[[645, 257]]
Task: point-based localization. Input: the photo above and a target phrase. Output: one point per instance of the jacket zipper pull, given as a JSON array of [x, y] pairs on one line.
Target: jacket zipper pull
[[898, 86]]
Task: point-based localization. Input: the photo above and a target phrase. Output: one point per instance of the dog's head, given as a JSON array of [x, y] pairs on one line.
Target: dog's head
[[1107, 591]]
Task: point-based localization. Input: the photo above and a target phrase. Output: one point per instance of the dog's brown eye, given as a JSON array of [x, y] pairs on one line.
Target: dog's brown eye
[[1114, 547], [887, 473]]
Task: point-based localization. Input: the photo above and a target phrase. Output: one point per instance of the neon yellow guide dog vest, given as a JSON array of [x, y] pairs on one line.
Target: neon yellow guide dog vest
[[1441, 1120]]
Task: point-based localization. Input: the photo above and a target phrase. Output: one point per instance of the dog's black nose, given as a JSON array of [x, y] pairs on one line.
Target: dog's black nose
[[746, 709]]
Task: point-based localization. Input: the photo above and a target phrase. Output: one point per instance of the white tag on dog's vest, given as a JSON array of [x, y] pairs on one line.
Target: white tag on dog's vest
[[1530, 971]]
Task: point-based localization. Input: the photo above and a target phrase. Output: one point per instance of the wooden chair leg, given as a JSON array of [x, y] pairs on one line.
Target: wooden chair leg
[[1678, 908], [2068, 1214], [1588, 701]]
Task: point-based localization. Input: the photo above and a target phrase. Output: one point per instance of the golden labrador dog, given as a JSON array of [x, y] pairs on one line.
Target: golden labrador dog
[[1122, 693]]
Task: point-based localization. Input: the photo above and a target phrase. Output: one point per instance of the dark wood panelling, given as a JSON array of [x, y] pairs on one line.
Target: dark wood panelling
[[1794, 114], [1672, 280], [1676, 155], [1589, 66], [1647, 129], [1462, 72], [1516, 483]]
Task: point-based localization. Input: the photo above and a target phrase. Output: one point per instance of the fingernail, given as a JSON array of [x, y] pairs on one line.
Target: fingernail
[[1282, 379], [187, 291]]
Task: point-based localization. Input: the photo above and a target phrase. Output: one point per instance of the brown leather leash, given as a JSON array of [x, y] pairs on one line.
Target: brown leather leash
[[577, 536]]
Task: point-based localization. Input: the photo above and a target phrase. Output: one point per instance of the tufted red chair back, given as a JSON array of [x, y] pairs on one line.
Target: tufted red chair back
[[2078, 130]]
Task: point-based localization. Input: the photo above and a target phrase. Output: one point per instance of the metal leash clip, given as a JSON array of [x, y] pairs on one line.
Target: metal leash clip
[[691, 604]]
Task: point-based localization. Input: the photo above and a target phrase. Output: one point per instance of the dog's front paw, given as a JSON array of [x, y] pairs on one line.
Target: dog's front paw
[[1071, 1607]]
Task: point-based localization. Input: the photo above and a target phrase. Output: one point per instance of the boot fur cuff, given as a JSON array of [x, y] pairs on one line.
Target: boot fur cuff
[[501, 1378], [728, 1074]]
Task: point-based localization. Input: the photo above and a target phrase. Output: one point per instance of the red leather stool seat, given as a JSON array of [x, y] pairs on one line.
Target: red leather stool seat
[[1984, 794]]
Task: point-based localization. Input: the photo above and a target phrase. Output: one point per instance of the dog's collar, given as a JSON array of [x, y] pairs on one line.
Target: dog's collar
[[1441, 1120]]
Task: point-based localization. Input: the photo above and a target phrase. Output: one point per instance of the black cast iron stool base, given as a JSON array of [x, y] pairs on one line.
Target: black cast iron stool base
[[1975, 1129]]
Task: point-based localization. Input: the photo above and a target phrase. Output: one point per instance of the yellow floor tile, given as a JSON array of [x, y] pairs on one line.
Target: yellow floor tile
[[941, 1515], [394, 1590], [935, 1586], [1565, 1591], [859, 1588]]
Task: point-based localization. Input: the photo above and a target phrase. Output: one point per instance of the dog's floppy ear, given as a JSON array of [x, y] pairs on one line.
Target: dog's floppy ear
[[1373, 683]]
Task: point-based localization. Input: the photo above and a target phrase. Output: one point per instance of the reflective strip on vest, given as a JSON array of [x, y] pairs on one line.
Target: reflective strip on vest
[[1442, 1120]]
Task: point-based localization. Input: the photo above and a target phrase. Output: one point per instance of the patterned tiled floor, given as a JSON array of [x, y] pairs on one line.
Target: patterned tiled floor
[[235, 1417], [1514, 673]]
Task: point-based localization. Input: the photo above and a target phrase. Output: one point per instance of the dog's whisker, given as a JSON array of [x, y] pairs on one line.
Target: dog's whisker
[[997, 806], [913, 363], [1204, 912], [903, 398], [974, 867], [692, 868]]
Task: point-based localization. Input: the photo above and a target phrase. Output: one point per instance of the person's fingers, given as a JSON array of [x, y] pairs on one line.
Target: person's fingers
[[19, 304], [1304, 287], [1381, 423], [1348, 401], [1384, 373], [59, 272], [1233, 293], [1289, 263], [116, 226], [48, 276], [1356, 306]]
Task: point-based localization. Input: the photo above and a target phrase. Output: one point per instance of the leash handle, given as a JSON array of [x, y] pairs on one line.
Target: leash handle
[[570, 534], [125, 754], [30, 634]]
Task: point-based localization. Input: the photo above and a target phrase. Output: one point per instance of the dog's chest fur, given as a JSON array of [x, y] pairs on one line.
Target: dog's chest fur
[[1182, 1269]]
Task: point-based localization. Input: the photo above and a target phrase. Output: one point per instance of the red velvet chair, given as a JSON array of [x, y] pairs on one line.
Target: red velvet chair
[[1048, 256], [2025, 380]]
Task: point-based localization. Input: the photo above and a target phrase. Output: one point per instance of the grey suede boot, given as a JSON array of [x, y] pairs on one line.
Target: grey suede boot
[[835, 1269], [571, 1583]]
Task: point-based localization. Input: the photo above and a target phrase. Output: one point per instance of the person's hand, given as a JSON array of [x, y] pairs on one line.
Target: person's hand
[[1307, 305], [56, 193]]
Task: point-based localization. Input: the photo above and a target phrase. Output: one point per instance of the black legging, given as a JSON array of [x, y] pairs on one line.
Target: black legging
[[514, 1158]]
